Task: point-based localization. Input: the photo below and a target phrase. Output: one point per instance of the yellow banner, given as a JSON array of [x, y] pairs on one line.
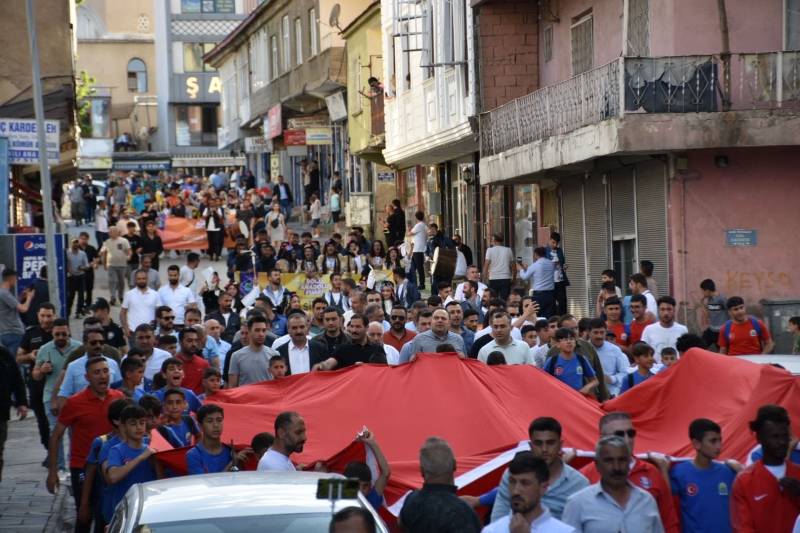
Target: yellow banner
[[309, 288]]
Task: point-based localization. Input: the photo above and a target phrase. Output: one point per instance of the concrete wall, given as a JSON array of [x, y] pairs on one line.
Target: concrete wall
[[607, 27], [53, 19], [361, 41], [509, 44], [754, 192]]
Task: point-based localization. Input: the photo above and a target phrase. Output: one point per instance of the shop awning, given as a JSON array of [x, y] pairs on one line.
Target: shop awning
[[26, 193], [200, 161], [144, 164]]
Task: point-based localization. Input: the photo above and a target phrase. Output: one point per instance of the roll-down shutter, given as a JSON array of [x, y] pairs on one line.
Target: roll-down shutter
[[651, 220], [596, 235], [623, 208], [573, 242]]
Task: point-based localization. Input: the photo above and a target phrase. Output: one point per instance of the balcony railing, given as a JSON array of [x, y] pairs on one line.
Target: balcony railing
[[678, 84], [377, 114]]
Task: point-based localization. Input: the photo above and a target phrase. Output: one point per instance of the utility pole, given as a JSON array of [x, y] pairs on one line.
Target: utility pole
[[44, 164]]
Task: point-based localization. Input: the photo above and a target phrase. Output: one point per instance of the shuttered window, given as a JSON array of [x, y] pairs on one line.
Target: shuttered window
[[582, 46], [573, 242], [651, 220]]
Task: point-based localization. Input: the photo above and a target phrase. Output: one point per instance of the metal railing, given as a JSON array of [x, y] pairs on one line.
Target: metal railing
[[674, 84], [378, 124], [561, 108]]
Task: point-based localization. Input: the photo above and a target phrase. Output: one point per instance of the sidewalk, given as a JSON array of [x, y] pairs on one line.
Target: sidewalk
[[25, 504]]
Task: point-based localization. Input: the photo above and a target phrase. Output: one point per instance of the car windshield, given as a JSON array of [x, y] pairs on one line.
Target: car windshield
[[286, 523]]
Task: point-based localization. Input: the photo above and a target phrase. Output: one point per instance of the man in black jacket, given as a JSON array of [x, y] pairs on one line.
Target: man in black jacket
[[227, 318], [305, 353], [10, 383], [284, 196]]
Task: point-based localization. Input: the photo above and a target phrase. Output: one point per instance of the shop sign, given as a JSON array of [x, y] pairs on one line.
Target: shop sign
[[23, 140]]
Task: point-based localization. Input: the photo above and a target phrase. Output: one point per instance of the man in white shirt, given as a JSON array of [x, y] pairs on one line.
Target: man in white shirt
[[528, 481], [213, 329], [474, 275], [300, 353], [638, 285], [290, 437], [375, 335], [188, 272], [515, 352], [499, 269], [358, 304], [419, 233], [175, 295], [666, 331], [139, 305]]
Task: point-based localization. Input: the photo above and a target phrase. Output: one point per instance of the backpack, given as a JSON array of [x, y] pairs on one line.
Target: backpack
[[550, 365], [729, 323]]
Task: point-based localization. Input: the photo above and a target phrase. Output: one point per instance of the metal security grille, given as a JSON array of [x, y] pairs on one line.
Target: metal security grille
[[651, 219], [639, 28], [573, 241], [203, 27], [582, 46], [596, 235], [623, 209]]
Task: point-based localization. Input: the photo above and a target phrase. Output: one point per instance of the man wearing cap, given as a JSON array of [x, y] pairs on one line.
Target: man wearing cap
[[613, 361], [77, 264], [115, 335]]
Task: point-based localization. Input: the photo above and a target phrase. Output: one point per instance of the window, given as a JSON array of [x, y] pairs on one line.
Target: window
[[582, 45], [274, 43], [298, 40], [448, 36], [243, 73], [792, 24], [196, 125], [193, 57], [287, 51], [355, 80], [143, 23], [259, 60], [639, 28], [208, 6], [548, 43], [137, 76], [312, 32]]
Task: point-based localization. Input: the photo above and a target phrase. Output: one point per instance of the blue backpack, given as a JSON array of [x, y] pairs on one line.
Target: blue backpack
[[729, 323]]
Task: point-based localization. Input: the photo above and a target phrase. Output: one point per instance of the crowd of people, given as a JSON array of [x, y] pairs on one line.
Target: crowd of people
[[176, 345]]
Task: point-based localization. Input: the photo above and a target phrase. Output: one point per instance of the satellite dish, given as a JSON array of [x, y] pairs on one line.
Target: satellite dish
[[333, 21]]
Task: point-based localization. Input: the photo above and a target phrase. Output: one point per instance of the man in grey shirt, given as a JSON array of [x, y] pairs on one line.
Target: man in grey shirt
[[251, 363], [77, 265], [439, 334], [613, 504], [153, 278], [499, 270], [120, 193], [11, 328], [714, 312], [76, 203]]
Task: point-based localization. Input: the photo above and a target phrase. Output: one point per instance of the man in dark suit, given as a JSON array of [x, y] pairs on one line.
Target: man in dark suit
[[227, 318], [300, 353], [284, 196], [406, 291]]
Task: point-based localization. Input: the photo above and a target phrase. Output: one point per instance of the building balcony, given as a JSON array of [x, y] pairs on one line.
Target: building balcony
[[644, 105]]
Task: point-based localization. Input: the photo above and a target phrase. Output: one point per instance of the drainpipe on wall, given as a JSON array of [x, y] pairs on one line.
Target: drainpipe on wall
[[626, 13], [725, 55]]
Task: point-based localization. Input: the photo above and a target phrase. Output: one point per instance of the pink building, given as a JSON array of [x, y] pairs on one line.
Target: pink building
[[645, 140]]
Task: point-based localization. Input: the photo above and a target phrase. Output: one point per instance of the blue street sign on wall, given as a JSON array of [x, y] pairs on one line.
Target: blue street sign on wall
[[741, 237]]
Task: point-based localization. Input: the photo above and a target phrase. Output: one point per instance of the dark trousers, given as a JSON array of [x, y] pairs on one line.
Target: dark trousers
[[419, 265], [75, 475], [547, 303], [215, 241], [436, 280], [75, 284], [88, 286], [561, 298], [90, 209], [501, 286], [100, 237], [36, 391], [3, 437]]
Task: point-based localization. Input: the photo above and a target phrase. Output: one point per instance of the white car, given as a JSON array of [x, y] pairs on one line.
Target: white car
[[232, 502], [789, 362]]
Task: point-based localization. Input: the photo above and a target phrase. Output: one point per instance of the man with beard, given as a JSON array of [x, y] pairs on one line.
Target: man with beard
[[251, 363], [87, 414], [139, 305], [228, 320], [398, 335], [359, 351], [193, 365], [528, 483], [277, 294], [176, 296], [333, 336], [290, 437], [614, 500]]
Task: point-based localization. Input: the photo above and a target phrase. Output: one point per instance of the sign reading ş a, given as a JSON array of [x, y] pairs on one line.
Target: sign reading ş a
[[741, 237], [23, 140]]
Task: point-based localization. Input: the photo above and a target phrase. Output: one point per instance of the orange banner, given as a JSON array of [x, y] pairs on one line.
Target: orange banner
[[183, 233]]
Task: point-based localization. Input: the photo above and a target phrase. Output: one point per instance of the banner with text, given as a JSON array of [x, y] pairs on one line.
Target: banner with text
[[187, 233], [308, 288]]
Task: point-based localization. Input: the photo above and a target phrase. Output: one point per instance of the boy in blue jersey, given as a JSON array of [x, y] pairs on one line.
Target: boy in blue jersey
[[669, 356], [129, 461], [156, 420], [644, 357], [212, 380], [172, 370], [362, 472], [133, 380], [93, 485], [182, 424], [702, 484], [569, 367], [211, 455]]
